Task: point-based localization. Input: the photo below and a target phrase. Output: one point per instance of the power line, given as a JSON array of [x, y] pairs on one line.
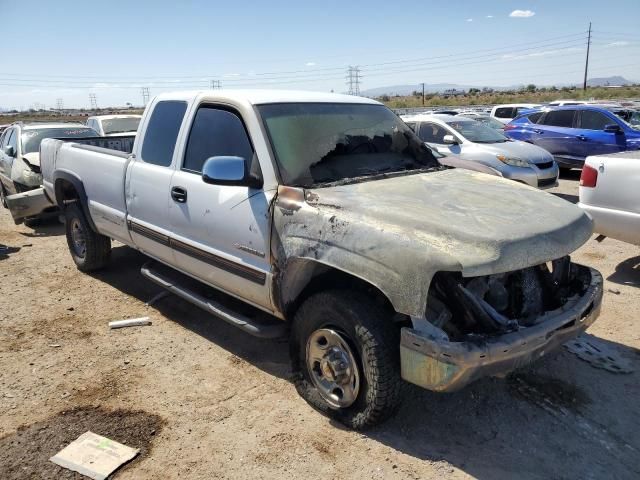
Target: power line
[[543, 43]]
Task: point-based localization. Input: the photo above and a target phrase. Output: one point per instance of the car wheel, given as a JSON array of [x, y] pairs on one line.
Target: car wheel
[[89, 250], [345, 358], [3, 194]]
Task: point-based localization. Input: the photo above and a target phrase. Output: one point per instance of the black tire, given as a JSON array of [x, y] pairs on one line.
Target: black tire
[[374, 339], [3, 194], [97, 248], [32, 222]]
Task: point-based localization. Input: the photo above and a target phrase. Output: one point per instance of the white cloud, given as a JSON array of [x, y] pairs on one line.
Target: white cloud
[[469, 19], [621, 43], [543, 53], [522, 14], [489, 16], [310, 64]]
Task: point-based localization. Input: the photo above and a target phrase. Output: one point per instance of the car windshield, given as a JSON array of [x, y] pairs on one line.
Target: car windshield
[[631, 117], [120, 125], [490, 122], [325, 143], [31, 138], [477, 132]]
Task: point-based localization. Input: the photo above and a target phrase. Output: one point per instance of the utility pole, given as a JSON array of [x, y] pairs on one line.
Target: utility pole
[[586, 63], [59, 104], [216, 84], [423, 94], [93, 101], [353, 80], [145, 95]]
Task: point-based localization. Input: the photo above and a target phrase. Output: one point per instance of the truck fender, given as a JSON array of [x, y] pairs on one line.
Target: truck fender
[[59, 179]]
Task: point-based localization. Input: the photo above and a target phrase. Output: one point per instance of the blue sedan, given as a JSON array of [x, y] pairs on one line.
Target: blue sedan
[[572, 133]]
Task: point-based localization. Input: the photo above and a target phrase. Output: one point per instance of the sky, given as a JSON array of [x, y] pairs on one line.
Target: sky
[[62, 51]]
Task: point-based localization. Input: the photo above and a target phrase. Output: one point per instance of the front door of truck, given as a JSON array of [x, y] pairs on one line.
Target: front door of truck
[[6, 161], [148, 189], [221, 232]]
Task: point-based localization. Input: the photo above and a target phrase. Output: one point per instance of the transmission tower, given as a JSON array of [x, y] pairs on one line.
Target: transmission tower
[[353, 80], [145, 95], [59, 104], [93, 101], [215, 84]]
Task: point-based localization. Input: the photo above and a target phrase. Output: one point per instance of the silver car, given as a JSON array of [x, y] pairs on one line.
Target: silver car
[[488, 148]]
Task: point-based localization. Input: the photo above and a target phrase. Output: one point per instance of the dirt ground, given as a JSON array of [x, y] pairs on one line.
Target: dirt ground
[[203, 400]]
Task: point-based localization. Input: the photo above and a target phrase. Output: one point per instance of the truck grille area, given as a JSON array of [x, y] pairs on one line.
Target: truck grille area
[[468, 308]]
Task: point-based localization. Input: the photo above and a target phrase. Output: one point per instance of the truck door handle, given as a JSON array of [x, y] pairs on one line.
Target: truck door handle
[[582, 137], [538, 131], [179, 194]]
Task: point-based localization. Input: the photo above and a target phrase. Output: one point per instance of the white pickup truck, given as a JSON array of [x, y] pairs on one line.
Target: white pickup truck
[[332, 221]]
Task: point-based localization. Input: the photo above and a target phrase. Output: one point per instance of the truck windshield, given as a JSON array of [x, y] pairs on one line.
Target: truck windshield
[[31, 138], [120, 125], [477, 132], [324, 143]]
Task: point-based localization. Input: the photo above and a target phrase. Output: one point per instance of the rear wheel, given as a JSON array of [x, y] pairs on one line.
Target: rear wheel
[[345, 358], [89, 250]]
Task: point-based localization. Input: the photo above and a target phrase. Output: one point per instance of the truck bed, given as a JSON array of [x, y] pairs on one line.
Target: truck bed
[[122, 144]]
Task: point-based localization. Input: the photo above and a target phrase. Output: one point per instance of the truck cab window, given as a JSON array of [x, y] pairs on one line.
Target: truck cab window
[[162, 132], [215, 132]]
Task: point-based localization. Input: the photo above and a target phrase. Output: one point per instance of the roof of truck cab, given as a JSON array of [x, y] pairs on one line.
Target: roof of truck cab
[[258, 97], [119, 115]]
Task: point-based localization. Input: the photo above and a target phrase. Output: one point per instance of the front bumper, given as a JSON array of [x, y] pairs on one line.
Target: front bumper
[[28, 204], [532, 176], [448, 366]]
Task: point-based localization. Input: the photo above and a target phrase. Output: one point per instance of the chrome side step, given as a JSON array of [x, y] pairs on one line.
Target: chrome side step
[[257, 329]]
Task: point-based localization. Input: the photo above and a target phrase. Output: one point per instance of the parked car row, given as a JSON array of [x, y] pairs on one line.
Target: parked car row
[[330, 219], [572, 133], [486, 149]]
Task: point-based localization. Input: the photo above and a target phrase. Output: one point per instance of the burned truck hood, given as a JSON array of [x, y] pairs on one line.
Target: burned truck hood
[[487, 223], [396, 233]]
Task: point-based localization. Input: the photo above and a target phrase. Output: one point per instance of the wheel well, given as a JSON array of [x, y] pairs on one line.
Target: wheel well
[[305, 278], [65, 191]]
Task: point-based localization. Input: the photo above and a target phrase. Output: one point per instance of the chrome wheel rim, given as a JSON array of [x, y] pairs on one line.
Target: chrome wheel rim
[[333, 368], [78, 238]]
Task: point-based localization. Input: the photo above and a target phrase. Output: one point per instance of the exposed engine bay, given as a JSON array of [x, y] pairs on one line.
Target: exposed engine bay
[[477, 307]]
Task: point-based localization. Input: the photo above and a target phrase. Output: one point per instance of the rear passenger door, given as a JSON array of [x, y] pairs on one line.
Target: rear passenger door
[[221, 232], [593, 140], [556, 133], [148, 189]]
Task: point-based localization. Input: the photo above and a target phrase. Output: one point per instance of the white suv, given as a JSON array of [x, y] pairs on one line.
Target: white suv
[[506, 113]]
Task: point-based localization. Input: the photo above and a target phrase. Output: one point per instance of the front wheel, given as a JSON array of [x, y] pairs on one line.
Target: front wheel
[[89, 250], [345, 358], [3, 194]]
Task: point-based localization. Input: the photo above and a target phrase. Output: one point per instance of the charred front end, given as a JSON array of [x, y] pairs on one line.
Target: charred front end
[[490, 325]]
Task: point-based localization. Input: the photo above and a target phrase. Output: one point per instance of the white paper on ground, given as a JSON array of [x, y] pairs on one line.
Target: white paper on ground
[[94, 455]]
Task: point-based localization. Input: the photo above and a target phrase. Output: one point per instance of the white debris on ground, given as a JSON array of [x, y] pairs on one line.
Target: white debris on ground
[[93, 455]]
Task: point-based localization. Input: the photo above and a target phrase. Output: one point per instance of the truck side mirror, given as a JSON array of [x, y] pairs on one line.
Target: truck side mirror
[[450, 140], [9, 150], [612, 128], [227, 170]]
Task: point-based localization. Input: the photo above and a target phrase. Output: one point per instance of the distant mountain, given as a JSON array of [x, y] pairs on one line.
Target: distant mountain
[[608, 81], [441, 87]]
